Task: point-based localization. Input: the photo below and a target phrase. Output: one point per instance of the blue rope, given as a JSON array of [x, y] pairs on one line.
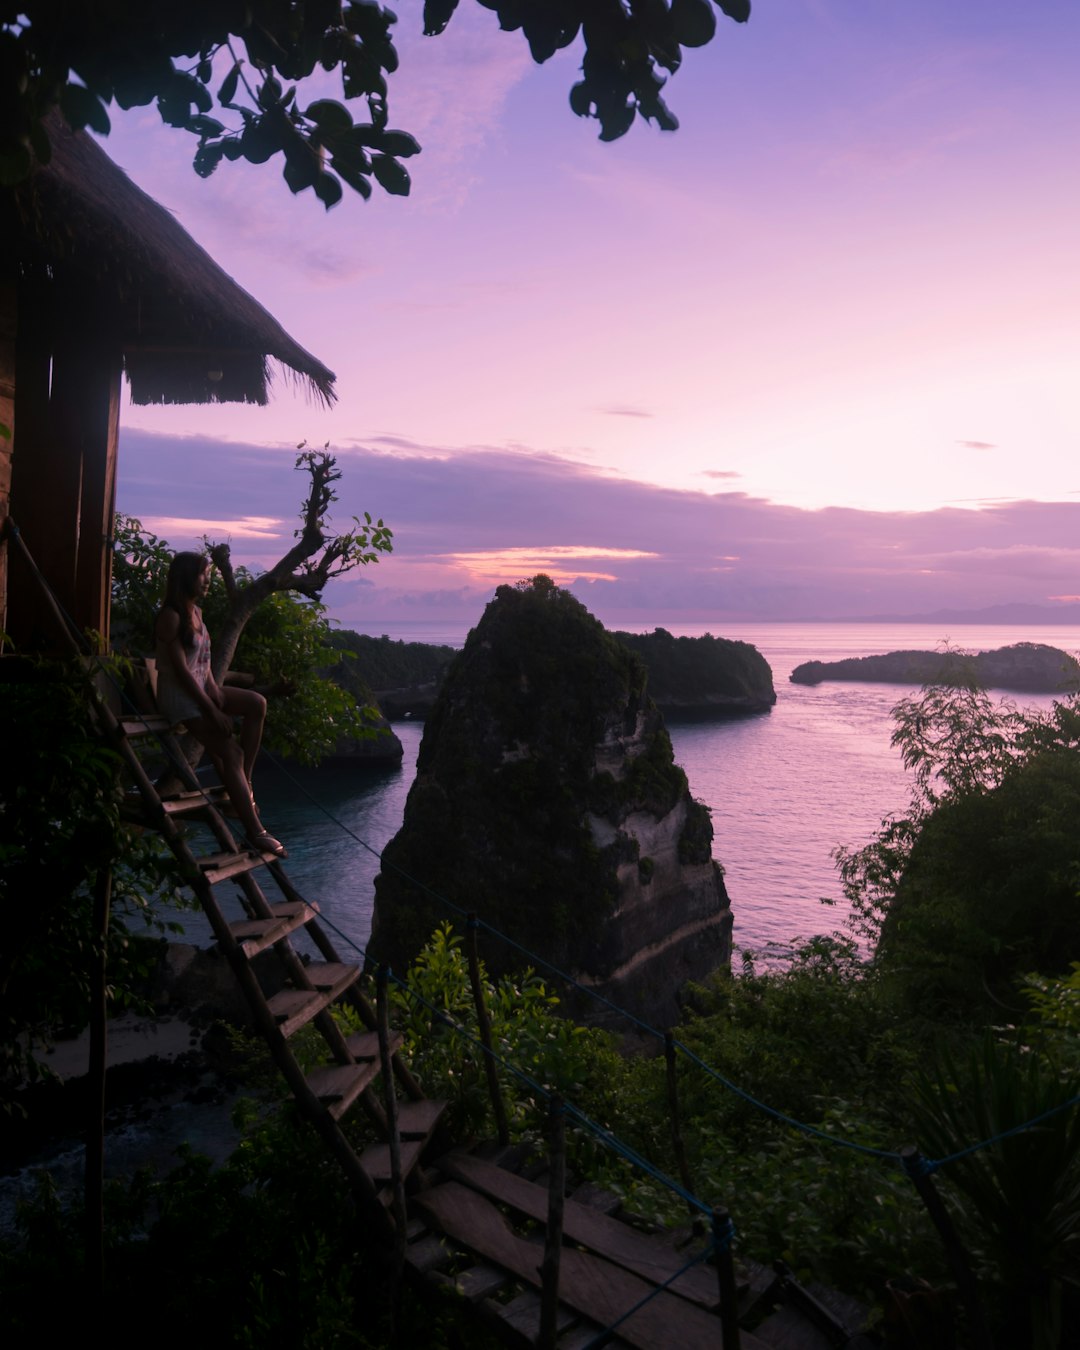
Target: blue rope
[[609, 1140], [1004, 1134], [604, 1336]]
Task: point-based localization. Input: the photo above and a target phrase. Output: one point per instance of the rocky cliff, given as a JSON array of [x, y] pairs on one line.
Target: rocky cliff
[[548, 801], [1025, 667]]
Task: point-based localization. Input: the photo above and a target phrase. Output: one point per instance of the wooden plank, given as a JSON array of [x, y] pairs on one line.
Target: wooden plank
[[651, 1258], [332, 975], [255, 935], [376, 1160], [479, 1281], [523, 1314], [217, 867], [337, 1086], [152, 724], [430, 1253], [592, 1286], [294, 1008], [184, 803], [365, 1044], [417, 1120]]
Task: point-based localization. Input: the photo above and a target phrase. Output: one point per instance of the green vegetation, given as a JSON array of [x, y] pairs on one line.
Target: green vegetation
[[703, 672], [283, 645], [381, 663], [60, 833]]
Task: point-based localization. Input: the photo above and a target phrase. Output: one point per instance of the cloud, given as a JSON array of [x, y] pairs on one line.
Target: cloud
[[720, 473], [462, 519], [626, 412], [978, 445]]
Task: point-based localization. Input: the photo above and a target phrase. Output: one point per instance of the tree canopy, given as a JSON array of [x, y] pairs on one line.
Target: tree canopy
[[244, 76]]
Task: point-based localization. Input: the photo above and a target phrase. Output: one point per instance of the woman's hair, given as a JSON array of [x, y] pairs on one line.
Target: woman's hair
[[184, 571]]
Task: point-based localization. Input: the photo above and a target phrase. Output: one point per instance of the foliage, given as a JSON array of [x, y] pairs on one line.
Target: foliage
[[1018, 1200], [977, 881], [272, 624], [697, 671], [60, 833], [382, 663], [240, 77]]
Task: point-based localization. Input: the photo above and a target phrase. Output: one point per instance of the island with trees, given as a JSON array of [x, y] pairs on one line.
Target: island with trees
[[1024, 667]]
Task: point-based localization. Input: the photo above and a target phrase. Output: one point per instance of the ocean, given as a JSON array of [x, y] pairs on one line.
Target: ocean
[[785, 788]]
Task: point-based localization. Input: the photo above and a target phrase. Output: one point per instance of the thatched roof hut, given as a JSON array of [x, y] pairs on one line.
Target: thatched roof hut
[[96, 278]]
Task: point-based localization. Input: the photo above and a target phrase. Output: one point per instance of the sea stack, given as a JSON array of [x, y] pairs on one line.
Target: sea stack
[[547, 801]]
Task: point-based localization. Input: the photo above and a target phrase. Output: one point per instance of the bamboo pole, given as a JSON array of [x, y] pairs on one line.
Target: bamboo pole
[[676, 1124], [393, 1137], [483, 1022], [915, 1166], [549, 1270], [725, 1274], [94, 1179]]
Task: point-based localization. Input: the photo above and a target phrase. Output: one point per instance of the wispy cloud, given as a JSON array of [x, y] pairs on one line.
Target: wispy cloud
[[720, 473], [626, 412], [978, 445], [459, 517]]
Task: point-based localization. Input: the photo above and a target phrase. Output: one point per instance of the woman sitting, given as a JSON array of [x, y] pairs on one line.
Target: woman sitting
[[187, 692]]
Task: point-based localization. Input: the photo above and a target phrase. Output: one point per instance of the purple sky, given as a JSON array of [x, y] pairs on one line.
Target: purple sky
[[814, 354]]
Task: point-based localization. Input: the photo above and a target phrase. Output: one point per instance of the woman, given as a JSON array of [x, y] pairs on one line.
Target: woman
[[187, 692]]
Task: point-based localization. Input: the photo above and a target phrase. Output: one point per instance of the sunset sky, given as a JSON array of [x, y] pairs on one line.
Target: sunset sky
[[814, 354]]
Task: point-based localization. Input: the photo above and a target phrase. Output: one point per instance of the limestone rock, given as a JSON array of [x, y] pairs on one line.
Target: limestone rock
[[547, 800]]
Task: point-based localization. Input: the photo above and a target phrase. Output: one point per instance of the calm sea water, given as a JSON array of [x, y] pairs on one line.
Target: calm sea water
[[785, 788]]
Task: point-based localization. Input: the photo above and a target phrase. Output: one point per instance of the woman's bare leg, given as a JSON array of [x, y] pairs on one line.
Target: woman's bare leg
[[250, 707], [228, 758]]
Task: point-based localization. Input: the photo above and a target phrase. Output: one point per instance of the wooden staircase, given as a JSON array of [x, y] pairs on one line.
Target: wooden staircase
[[351, 1072]]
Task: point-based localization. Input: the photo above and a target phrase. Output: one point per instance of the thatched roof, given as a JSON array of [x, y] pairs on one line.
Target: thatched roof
[[189, 333]]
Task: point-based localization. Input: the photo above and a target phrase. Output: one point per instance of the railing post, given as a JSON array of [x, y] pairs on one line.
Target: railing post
[[386, 1065], [95, 1125], [483, 1022], [549, 1270], [723, 1231], [676, 1126], [918, 1170]]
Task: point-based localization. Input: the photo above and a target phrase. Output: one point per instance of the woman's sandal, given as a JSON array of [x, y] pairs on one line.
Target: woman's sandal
[[264, 842]]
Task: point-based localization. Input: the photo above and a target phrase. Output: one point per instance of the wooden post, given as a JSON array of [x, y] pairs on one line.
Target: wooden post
[[723, 1232], [483, 1022], [916, 1167], [94, 1183], [676, 1126], [393, 1137], [549, 1271]]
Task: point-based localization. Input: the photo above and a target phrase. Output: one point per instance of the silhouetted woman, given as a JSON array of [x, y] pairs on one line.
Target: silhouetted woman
[[187, 692]]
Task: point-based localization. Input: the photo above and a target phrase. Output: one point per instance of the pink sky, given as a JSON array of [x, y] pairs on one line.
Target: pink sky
[[849, 280]]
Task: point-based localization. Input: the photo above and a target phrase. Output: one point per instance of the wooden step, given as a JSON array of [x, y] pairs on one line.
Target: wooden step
[[217, 867], [255, 935], [376, 1160], [365, 1044], [650, 1257], [337, 1086], [151, 724], [183, 803], [417, 1120], [294, 1008], [593, 1287]]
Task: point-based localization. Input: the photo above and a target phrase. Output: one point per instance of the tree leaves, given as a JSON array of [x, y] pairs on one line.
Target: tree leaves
[[81, 109]]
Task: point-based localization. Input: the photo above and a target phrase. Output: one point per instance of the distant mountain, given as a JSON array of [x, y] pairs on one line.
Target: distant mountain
[[1017, 613]]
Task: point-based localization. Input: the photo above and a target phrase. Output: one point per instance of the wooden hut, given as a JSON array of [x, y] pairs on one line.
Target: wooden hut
[[96, 280]]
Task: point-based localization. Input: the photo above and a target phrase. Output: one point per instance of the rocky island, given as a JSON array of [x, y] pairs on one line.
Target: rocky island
[[1025, 667], [547, 800], [703, 676]]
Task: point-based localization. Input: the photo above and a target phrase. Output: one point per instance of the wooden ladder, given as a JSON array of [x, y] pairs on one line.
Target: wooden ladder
[[349, 1076]]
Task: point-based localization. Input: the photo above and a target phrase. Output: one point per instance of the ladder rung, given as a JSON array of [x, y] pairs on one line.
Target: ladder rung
[[365, 1044], [417, 1120], [217, 867], [255, 935], [294, 1008], [337, 1086], [376, 1160], [153, 724], [184, 802]]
